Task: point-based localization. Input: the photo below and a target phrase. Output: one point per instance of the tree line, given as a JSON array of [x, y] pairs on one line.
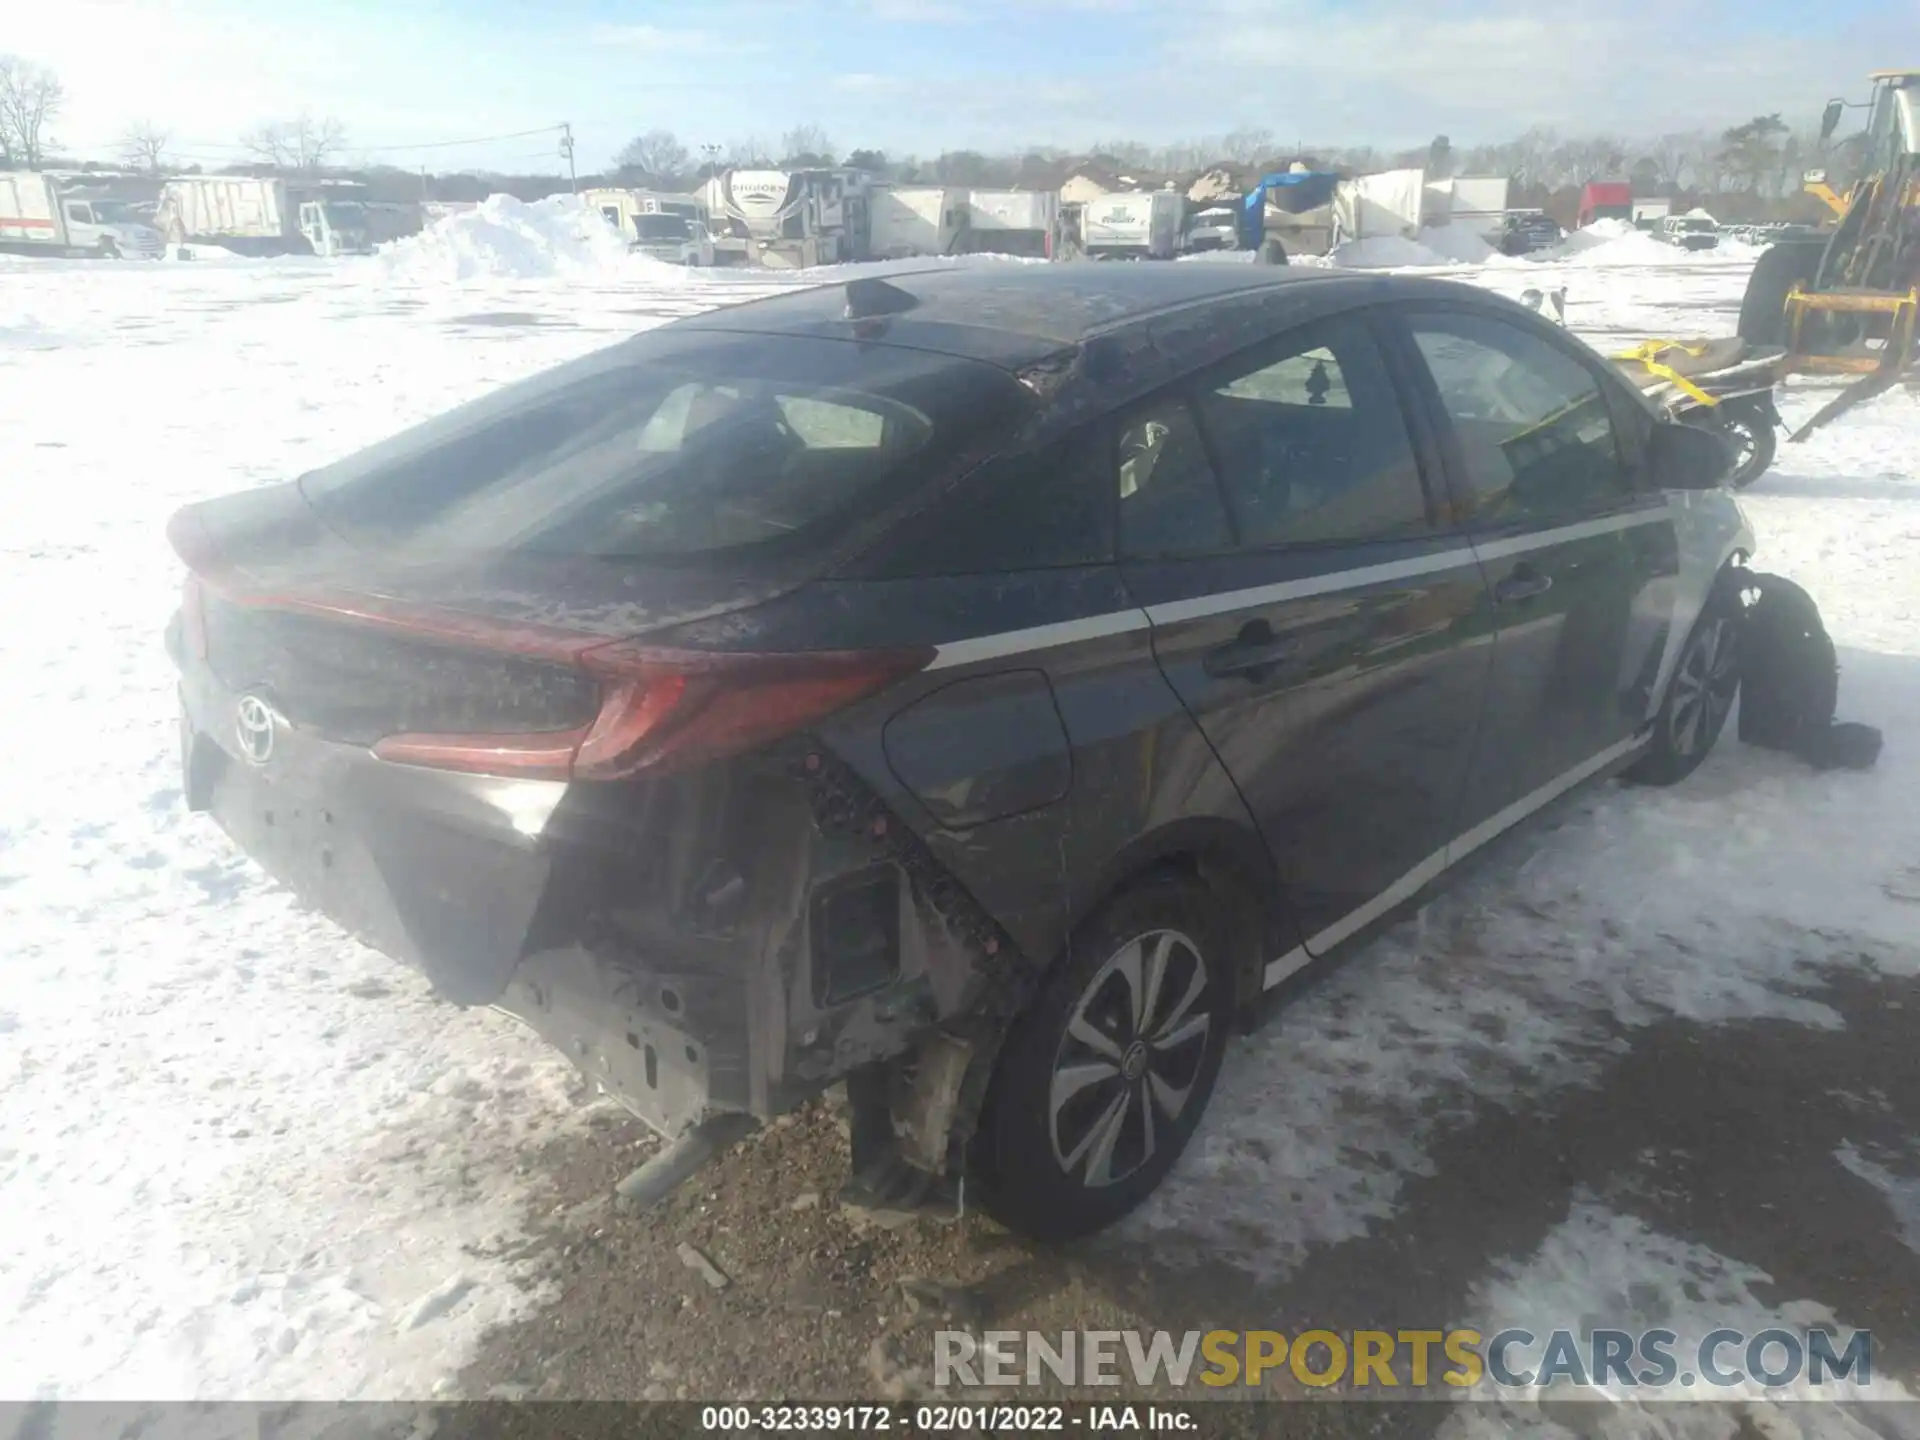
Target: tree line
[[1761, 159], [1764, 157]]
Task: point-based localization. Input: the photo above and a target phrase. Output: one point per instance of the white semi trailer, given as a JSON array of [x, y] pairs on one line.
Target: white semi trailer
[[908, 220], [1013, 222]]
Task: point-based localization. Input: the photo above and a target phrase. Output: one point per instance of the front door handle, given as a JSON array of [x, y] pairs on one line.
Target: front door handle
[[1252, 655], [1523, 582]]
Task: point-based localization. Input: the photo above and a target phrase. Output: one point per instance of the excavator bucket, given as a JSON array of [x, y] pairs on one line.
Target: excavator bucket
[[1879, 370]]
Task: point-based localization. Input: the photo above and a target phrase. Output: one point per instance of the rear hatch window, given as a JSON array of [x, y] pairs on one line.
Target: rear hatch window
[[675, 447]]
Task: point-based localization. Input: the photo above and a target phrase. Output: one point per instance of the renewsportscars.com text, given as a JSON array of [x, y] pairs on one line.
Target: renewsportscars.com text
[[1511, 1359]]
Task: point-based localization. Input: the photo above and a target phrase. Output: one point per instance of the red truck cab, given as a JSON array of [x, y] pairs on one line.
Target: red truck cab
[[1605, 200]]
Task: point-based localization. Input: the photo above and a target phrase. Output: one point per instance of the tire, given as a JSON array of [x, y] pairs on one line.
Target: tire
[[1089, 1107], [107, 250], [1750, 429], [1763, 309], [1699, 697]]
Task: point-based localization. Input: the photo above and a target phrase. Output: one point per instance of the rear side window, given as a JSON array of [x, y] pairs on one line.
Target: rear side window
[[1169, 499], [1037, 509], [679, 446], [1312, 445]]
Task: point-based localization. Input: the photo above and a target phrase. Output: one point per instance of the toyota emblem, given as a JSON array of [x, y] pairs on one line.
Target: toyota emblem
[[253, 724]]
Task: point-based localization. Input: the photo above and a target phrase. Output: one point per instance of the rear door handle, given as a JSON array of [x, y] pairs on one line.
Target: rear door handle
[[1252, 655], [1523, 582]]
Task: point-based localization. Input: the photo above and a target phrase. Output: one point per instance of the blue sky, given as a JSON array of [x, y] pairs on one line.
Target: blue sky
[[925, 75]]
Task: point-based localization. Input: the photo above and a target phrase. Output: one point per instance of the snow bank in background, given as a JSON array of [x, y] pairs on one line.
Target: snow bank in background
[[508, 239], [1446, 245], [1384, 252], [1617, 242], [1601, 232], [1459, 245]]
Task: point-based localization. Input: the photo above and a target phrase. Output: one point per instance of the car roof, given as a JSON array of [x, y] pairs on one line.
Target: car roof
[[1013, 313]]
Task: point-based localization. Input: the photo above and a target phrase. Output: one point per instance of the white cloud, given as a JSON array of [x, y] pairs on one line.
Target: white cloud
[[863, 82], [656, 40], [923, 12]]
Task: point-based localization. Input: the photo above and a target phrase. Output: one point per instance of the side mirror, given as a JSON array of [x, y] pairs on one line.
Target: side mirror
[[1830, 121], [1686, 457]]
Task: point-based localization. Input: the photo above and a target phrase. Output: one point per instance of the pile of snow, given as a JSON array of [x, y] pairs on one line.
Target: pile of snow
[[1384, 252], [1600, 232], [1436, 245], [1616, 242], [507, 239], [1459, 245]]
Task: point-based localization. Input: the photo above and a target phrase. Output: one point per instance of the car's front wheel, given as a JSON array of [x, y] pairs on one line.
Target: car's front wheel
[[1699, 697], [1103, 1080]]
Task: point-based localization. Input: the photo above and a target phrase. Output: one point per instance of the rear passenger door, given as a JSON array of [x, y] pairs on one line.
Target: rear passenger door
[[1314, 608], [1580, 557]]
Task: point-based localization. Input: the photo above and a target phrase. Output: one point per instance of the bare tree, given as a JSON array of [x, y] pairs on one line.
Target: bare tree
[[1246, 146], [657, 155], [31, 97], [748, 153], [304, 144], [1672, 154], [806, 145], [143, 146]]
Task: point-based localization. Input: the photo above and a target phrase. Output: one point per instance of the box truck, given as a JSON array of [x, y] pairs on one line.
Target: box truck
[[38, 216], [267, 216], [1142, 225]]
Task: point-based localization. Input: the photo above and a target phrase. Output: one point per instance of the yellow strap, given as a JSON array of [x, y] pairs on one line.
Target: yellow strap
[[1648, 355]]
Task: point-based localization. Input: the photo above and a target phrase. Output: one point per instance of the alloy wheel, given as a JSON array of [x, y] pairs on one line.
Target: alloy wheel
[[1704, 687], [1133, 1051], [1745, 445]]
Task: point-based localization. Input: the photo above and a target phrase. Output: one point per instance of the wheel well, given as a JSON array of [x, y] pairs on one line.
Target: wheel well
[[1248, 896]]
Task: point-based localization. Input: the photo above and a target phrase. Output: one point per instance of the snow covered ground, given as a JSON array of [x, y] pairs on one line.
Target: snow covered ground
[[242, 1156]]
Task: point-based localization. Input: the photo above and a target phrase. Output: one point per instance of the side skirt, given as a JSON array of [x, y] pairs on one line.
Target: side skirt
[[1437, 864]]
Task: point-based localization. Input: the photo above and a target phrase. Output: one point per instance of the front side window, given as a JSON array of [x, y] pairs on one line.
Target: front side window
[[1169, 499], [1312, 445], [1534, 430]]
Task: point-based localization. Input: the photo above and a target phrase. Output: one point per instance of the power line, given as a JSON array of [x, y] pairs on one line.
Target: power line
[[450, 144], [199, 146]]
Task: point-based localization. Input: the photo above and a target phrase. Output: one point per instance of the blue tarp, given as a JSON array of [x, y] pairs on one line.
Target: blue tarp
[[1294, 191]]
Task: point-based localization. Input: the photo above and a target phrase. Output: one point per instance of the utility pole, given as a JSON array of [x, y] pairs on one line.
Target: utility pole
[[566, 149]]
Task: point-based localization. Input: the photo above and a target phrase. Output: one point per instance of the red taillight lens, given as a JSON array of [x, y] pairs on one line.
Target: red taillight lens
[[664, 710]]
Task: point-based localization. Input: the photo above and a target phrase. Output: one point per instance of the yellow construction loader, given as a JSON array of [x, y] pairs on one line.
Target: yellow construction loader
[[1846, 302]]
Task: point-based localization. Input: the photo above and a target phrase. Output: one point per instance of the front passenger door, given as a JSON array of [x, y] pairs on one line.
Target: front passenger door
[[1580, 560]]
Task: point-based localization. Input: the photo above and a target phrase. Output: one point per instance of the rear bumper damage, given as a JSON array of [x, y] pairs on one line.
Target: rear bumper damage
[[721, 943]]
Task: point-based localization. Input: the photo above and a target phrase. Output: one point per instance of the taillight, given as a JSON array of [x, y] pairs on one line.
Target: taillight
[[664, 710]]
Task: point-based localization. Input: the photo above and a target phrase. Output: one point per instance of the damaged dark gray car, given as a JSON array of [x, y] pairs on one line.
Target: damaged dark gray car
[[981, 686]]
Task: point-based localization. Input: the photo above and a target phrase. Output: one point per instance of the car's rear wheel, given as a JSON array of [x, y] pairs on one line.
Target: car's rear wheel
[[1103, 1079], [1699, 697]]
